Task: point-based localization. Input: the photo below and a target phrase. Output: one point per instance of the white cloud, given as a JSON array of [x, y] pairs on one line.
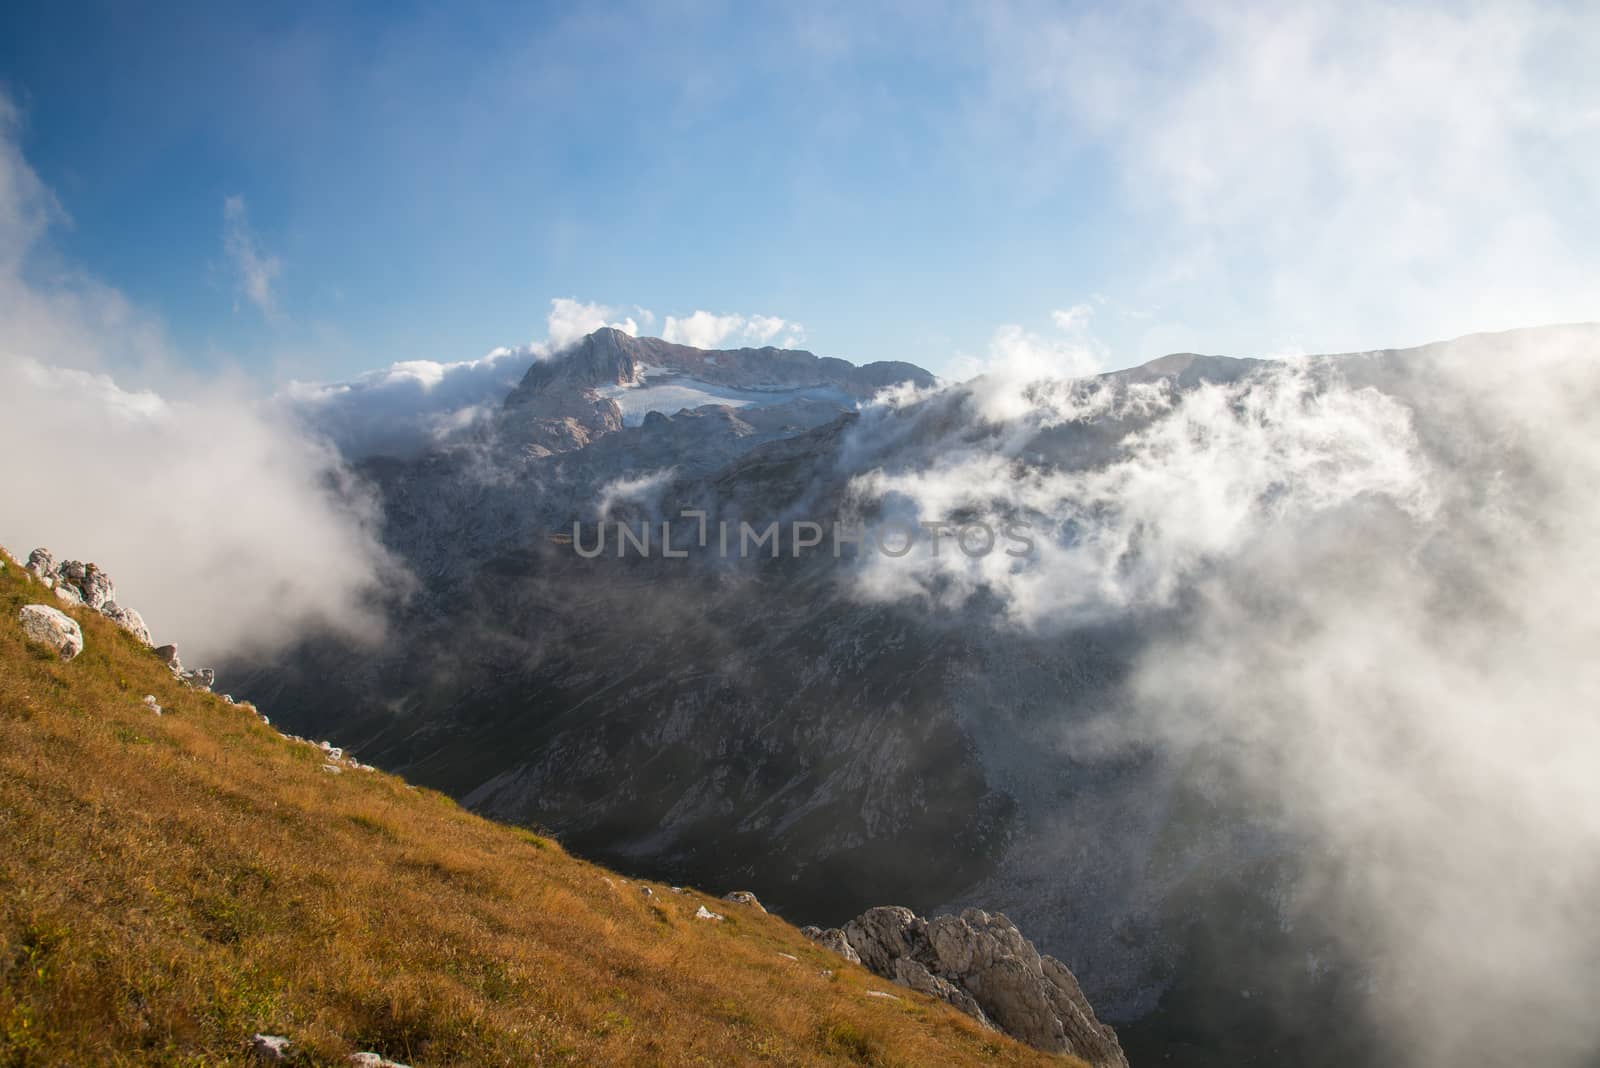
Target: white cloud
[[256, 272], [1369, 609], [571, 320], [705, 330], [645, 489], [222, 525], [1128, 534], [1327, 178], [1016, 358], [1075, 318], [405, 408], [413, 405]]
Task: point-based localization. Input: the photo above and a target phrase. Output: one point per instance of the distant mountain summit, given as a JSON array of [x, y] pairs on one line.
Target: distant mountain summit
[[610, 357], [611, 379]]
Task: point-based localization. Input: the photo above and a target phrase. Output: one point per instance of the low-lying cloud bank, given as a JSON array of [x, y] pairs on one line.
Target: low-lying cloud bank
[[1370, 582], [226, 528]]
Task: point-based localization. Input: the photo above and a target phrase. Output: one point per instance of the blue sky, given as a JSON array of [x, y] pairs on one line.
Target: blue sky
[[310, 193]]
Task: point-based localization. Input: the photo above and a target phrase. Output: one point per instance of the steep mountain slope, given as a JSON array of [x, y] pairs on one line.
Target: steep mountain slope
[[836, 733], [177, 880]]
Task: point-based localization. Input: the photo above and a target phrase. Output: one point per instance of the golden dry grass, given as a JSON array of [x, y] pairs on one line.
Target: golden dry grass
[[169, 885]]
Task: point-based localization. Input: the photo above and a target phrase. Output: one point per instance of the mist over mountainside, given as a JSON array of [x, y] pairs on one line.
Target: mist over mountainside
[[1218, 741]]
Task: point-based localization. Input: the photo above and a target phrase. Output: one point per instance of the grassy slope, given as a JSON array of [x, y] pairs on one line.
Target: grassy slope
[[169, 885]]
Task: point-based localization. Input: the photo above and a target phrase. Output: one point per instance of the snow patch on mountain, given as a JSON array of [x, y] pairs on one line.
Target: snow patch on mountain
[[660, 389]]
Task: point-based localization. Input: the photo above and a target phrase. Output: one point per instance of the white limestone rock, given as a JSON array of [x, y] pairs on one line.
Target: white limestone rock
[[128, 620], [833, 939], [269, 1049], [52, 628], [372, 1060], [199, 678], [91, 583], [42, 566], [744, 897]]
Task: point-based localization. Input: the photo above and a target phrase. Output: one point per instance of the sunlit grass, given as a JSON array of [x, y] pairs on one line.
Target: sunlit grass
[[171, 884]]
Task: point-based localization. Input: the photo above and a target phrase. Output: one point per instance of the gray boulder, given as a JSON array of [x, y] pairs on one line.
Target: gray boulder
[[744, 897], [128, 619], [980, 963], [52, 628], [834, 939], [168, 655]]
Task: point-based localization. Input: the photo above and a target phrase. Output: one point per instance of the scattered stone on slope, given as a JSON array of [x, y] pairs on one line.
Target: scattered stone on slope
[[269, 1049], [372, 1060], [744, 897], [168, 655], [67, 595], [150, 703], [980, 963], [52, 628], [703, 913]]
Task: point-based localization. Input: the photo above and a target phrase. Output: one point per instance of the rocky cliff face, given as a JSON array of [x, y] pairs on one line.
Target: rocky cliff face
[[981, 964]]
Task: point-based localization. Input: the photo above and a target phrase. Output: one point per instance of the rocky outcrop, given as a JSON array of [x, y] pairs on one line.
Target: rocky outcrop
[[76, 583], [42, 566], [834, 939], [199, 678], [128, 620], [744, 897], [53, 629], [980, 963], [93, 585]]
